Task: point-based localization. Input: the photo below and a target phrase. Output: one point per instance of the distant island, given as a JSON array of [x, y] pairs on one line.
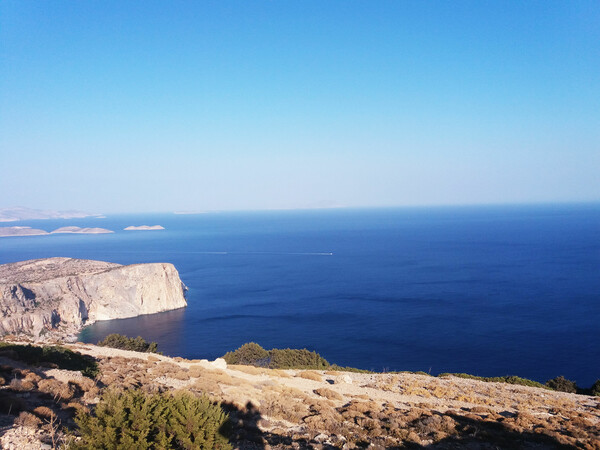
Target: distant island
[[79, 230], [28, 231], [144, 228], [21, 213]]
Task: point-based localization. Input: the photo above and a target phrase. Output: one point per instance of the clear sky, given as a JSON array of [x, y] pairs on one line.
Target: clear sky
[[117, 106]]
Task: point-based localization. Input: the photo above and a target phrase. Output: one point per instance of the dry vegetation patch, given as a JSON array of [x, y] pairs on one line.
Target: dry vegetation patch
[[306, 411], [328, 393], [310, 375]]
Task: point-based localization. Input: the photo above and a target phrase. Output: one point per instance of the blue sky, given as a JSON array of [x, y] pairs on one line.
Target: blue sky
[[160, 106]]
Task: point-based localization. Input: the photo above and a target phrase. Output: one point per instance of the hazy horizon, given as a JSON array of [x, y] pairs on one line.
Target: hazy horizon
[[103, 214], [135, 107]]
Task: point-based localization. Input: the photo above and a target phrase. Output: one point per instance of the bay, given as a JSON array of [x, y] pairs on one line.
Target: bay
[[486, 290]]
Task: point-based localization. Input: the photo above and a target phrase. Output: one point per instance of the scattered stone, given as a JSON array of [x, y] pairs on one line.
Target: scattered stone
[[219, 363], [343, 379]]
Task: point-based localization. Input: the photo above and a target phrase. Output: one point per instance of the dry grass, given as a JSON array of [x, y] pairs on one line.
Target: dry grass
[[57, 389], [21, 385], [182, 374], [197, 371], [207, 386], [32, 377], [389, 383], [328, 393], [164, 368], [85, 384], [211, 382], [44, 412], [284, 403], [248, 369], [310, 375], [279, 373], [27, 419], [220, 376], [76, 406]]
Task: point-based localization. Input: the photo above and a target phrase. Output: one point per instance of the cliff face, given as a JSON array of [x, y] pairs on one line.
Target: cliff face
[[63, 294]]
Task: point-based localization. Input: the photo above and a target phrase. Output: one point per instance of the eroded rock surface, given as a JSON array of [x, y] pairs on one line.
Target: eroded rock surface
[[64, 294]]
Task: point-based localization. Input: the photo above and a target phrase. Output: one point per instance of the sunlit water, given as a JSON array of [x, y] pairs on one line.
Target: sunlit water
[[482, 290]]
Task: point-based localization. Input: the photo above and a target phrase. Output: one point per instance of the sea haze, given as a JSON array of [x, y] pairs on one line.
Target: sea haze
[[511, 290]]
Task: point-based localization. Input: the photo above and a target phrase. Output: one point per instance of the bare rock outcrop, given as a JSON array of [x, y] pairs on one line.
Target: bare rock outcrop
[[64, 294]]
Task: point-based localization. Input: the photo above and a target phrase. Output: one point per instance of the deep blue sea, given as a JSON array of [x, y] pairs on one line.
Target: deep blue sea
[[489, 291]]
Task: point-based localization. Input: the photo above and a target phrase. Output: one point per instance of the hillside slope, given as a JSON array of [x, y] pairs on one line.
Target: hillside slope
[[319, 409]]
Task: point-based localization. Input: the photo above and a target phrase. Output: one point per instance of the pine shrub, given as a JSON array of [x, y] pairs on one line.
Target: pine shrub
[[562, 384], [137, 344], [596, 388], [134, 419], [296, 359], [250, 354]]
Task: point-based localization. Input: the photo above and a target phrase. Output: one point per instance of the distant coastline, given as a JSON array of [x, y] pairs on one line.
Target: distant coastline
[[28, 231], [18, 213]]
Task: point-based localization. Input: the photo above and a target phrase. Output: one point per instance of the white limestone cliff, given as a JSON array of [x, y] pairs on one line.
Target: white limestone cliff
[[64, 294]]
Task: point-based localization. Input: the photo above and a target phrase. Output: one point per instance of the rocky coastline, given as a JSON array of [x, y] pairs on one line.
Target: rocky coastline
[[57, 297]]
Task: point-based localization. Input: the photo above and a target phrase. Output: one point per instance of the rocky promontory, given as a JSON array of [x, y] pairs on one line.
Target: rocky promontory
[[62, 295]]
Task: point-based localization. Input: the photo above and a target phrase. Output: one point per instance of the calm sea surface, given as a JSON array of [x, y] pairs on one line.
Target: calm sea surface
[[483, 290]]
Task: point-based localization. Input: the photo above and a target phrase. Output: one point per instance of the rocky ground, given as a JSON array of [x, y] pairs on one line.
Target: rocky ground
[[306, 409]]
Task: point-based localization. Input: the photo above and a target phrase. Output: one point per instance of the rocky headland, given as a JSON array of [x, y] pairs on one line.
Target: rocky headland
[[61, 295]]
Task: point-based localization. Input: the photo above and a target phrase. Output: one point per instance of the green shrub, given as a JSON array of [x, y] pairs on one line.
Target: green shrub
[[137, 344], [250, 354], [253, 354], [522, 381], [595, 389], [296, 359], [562, 384], [134, 419], [62, 357]]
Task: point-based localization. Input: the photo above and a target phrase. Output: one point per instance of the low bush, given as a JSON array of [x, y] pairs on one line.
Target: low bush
[[137, 344], [595, 389], [250, 354], [134, 419], [61, 357], [562, 384]]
